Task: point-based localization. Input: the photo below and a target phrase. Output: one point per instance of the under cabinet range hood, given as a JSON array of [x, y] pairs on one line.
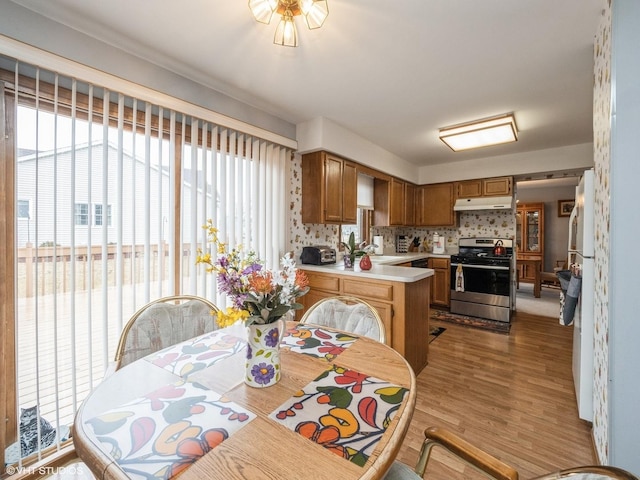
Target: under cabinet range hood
[[483, 203]]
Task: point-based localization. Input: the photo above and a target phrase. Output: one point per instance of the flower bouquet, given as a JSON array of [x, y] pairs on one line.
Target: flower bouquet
[[260, 298], [258, 295]]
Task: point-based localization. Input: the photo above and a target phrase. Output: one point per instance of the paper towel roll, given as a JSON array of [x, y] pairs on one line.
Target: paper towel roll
[[379, 241]]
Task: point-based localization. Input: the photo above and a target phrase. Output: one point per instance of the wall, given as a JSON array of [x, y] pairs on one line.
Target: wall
[[323, 134], [602, 146], [301, 234], [556, 229], [571, 157], [617, 116]]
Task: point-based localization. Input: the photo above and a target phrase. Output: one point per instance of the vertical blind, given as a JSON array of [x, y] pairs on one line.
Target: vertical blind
[[118, 189]]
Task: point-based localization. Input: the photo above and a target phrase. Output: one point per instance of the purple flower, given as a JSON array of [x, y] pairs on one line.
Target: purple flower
[[254, 267], [271, 340], [249, 352], [263, 373]]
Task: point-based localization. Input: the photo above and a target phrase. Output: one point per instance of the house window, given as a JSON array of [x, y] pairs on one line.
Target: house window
[[361, 229], [82, 214], [24, 208], [98, 217]]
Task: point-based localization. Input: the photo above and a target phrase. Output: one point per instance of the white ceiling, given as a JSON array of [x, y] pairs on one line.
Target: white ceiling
[[392, 71]]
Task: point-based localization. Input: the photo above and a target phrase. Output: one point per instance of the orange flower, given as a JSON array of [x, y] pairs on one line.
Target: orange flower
[[302, 281], [260, 282]]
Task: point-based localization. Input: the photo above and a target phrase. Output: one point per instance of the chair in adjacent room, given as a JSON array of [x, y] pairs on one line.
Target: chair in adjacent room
[[487, 464], [346, 313], [162, 323]]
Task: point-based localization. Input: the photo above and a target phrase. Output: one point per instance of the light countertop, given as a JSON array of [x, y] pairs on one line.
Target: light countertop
[[385, 267], [378, 271]]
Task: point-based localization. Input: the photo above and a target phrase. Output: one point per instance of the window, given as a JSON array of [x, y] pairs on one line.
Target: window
[[159, 174], [97, 215], [361, 230], [24, 209], [82, 214]]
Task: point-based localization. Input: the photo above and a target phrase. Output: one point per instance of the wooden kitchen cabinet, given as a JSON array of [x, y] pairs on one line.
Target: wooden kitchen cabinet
[[469, 188], [441, 281], [389, 202], [435, 205], [403, 308], [529, 239], [329, 189], [409, 204], [484, 187], [499, 186]]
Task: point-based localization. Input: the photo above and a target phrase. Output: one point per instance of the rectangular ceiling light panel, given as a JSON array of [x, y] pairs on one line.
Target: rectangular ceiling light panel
[[481, 133]]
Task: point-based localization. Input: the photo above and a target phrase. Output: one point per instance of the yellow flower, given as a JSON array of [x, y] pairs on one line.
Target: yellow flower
[[231, 316]]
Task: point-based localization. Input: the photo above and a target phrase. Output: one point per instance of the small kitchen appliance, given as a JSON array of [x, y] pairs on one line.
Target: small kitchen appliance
[[437, 243], [318, 255]]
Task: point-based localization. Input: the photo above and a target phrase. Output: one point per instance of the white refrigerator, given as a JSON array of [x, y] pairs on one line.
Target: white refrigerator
[[581, 262]]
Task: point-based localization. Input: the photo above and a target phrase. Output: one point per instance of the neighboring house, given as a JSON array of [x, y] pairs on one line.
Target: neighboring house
[[77, 212]]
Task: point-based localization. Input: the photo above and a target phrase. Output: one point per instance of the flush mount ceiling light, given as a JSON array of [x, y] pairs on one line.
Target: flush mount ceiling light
[[314, 12], [480, 133]]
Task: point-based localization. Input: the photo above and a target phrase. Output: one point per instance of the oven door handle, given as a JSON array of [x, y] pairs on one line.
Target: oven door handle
[[481, 267]]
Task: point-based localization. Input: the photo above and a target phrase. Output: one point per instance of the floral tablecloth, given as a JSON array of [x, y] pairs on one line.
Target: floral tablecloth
[[165, 431], [317, 342], [345, 411], [198, 353]]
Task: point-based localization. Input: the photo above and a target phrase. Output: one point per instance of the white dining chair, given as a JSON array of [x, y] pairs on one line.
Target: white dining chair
[[162, 323], [350, 314]]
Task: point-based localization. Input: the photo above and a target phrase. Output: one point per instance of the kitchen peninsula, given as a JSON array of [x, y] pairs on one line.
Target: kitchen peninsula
[[400, 294]]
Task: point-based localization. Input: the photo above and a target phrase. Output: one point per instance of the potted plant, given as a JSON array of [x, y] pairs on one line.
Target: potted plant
[[352, 250]]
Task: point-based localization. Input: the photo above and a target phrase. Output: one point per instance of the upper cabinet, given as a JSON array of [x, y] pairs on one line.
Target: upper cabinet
[[499, 186], [484, 187], [389, 202], [329, 189], [435, 205], [409, 204]]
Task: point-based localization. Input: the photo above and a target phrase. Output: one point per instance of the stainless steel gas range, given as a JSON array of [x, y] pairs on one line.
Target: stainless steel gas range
[[481, 278]]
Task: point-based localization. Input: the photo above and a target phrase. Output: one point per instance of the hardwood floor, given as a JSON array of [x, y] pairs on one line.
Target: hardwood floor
[[510, 395]]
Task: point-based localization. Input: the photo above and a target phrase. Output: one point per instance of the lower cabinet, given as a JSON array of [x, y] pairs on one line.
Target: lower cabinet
[[441, 281], [403, 308]]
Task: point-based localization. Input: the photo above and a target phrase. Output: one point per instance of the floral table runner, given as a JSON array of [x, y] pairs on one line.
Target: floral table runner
[[345, 411], [197, 353], [164, 432], [317, 342]]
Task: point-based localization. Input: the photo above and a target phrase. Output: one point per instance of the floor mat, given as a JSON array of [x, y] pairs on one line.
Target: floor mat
[[435, 333], [466, 321]]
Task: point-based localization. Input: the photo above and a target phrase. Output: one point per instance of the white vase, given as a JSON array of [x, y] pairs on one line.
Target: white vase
[[262, 368]]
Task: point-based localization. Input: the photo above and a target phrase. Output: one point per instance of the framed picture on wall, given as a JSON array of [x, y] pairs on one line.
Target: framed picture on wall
[[565, 207]]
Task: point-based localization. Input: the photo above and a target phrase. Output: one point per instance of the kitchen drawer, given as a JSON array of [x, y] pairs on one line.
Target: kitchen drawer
[[438, 262], [366, 290], [324, 282]]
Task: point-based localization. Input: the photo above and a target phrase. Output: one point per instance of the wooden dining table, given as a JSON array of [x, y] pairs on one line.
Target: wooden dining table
[[340, 410]]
